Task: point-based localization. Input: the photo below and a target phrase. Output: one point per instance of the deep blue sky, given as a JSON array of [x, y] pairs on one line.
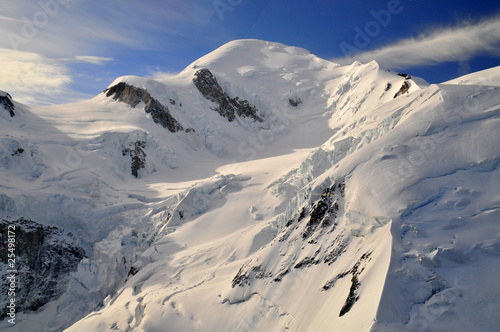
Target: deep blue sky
[[83, 45]]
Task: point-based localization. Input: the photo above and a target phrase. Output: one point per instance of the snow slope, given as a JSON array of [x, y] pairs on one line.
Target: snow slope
[[364, 200], [490, 77]]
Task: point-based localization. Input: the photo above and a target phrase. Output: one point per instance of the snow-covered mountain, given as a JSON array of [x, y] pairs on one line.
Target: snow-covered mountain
[[261, 189]]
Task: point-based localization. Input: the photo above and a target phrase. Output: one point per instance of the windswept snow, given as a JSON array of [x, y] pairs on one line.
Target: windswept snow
[[363, 200], [488, 77]]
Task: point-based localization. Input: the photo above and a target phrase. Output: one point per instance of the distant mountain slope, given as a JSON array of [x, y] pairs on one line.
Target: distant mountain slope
[[265, 189], [489, 77]]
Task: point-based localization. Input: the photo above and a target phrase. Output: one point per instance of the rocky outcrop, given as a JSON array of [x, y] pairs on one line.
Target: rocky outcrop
[[404, 89], [132, 96], [6, 102], [229, 107], [294, 102], [406, 76], [314, 221], [44, 258], [137, 155]]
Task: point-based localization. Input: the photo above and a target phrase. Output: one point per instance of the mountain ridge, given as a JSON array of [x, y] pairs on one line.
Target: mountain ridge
[[359, 200]]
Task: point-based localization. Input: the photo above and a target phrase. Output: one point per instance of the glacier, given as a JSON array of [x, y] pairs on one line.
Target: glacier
[[284, 192]]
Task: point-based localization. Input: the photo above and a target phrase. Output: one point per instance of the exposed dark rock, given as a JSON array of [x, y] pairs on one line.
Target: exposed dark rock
[[308, 261], [6, 102], [258, 272], [324, 211], [352, 297], [138, 156], [243, 278], [405, 75], [18, 152], [280, 275], [339, 246], [355, 271], [44, 258], [287, 230], [127, 94], [319, 210], [132, 96], [302, 214], [404, 89], [341, 187], [229, 107], [316, 217], [332, 282], [294, 102], [388, 86], [133, 271]]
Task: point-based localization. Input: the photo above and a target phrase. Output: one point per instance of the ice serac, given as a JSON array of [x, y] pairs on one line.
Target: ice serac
[[44, 258], [133, 96], [229, 107], [6, 102]]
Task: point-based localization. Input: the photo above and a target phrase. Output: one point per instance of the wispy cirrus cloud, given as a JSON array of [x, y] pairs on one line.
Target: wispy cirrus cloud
[[95, 60], [454, 44], [63, 28]]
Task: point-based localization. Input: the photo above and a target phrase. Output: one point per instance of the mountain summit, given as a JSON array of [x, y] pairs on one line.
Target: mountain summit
[[260, 189]]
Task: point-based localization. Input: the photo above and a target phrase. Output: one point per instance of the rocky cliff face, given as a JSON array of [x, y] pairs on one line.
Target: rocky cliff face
[[44, 258], [133, 96], [307, 231], [229, 107], [404, 89], [6, 102], [137, 155]]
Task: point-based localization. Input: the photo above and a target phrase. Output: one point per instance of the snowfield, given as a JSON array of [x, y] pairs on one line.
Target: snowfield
[[364, 200]]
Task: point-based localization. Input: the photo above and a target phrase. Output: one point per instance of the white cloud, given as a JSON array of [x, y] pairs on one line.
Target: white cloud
[[458, 44], [30, 77], [45, 44], [95, 60]]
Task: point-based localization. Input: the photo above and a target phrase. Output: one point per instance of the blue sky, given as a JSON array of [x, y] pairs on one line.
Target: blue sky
[[55, 51]]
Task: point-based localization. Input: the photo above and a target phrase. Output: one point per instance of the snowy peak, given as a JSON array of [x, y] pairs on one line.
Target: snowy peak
[[489, 77], [261, 81], [247, 53], [302, 195]]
